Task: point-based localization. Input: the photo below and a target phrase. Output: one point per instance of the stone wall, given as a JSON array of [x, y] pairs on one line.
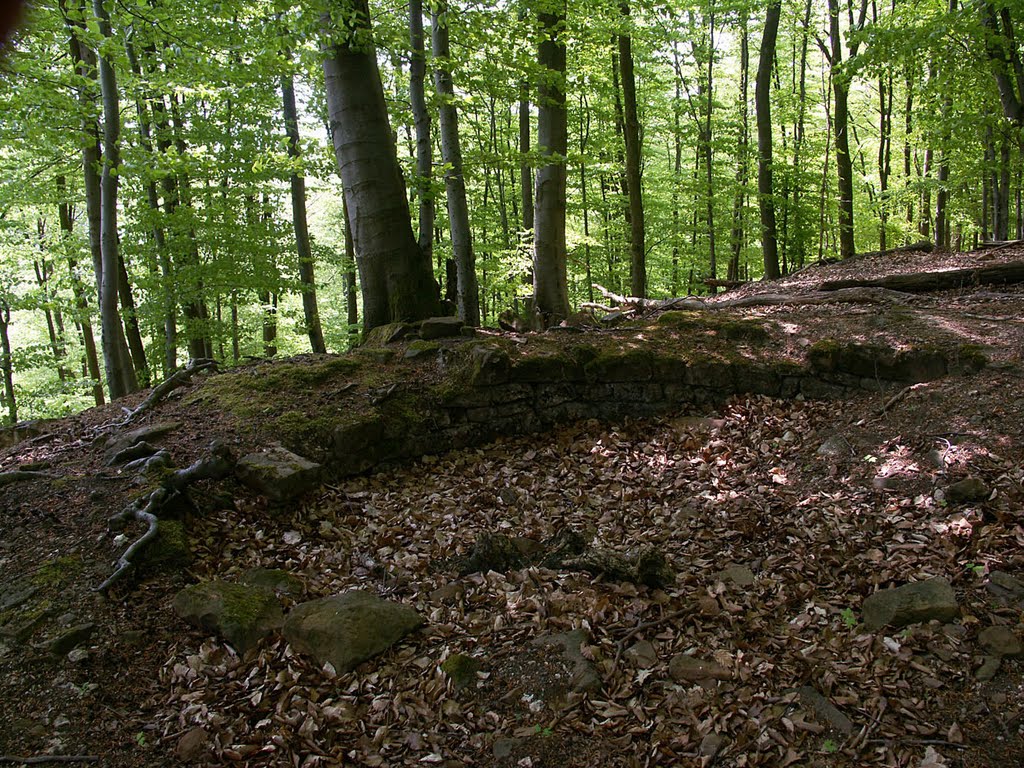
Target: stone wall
[[489, 390]]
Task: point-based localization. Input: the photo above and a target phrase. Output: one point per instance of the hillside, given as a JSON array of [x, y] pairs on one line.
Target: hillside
[[643, 543]]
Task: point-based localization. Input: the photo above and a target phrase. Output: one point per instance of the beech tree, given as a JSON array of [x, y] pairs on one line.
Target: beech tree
[[765, 187], [396, 282], [550, 285]]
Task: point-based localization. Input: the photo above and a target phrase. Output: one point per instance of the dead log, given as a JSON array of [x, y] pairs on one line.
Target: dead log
[[815, 298], [926, 282]]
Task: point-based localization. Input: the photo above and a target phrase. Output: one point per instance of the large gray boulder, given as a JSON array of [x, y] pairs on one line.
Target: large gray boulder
[[911, 604], [440, 327], [348, 629], [278, 473], [242, 614]]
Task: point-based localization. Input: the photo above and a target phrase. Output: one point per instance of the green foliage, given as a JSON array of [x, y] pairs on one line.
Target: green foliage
[[203, 133]]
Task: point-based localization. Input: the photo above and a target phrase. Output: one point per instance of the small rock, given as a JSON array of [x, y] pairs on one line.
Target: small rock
[[1001, 641], [585, 677], [509, 496], [643, 654], [505, 748], [711, 745], [67, 641], [193, 745], [967, 490], [78, 655], [740, 575], [825, 710], [278, 473], [440, 327], [446, 593], [348, 629], [242, 614], [988, 669], [911, 604], [690, 669], [461, 670], [1006, 588], [282, 582], [834, 447]]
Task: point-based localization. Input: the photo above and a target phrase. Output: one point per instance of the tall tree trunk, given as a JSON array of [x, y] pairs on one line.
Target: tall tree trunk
[[739, 202], [844, 162], [396, 282], [455, 185], [43, 271], [762, 100], [798, 143], [92, 363], [908, 151], [708, 150], [550, 284], [1002, 188], [85, 67], [7, 362], [634, 182], [584, 142], [307, 271], [130, 317], [170, 323], [421, 117], [1004, 54], [116, 359]]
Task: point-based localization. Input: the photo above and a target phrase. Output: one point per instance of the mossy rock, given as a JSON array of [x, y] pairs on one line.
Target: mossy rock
[[300, 431], [970, 358], [728, 328], [621, 366], [280, 581], [419, 349], [378, 355], [383, 335], [169, 552], [258, 391], [461, 670], [545, 368], [872, 361], [241, 614]]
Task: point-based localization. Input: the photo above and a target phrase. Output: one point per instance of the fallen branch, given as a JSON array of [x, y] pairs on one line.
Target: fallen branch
[[163, 389], [43, 759], [19, 476], [924, 282], [146, 509]]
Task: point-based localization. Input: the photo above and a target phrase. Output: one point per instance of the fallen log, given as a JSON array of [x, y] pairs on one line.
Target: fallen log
[[925, 282]]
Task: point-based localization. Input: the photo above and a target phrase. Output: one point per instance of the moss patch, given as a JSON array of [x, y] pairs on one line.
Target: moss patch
[[58, 571], [170, 550], [717, 326]]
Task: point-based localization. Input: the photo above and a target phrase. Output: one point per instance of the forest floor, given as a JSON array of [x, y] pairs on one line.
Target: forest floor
[[743, 485]]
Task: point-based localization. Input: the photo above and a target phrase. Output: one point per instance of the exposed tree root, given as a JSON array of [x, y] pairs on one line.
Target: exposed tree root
[[164, 388], [44, 759], [147, 508], [17, 476]]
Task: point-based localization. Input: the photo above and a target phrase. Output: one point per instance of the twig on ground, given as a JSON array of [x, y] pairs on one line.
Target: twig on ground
[[620, 644]]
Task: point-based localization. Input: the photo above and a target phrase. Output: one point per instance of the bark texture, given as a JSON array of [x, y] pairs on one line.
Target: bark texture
[[397, 283]]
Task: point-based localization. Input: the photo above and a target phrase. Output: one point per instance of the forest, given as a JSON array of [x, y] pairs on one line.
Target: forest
[[185, 180]]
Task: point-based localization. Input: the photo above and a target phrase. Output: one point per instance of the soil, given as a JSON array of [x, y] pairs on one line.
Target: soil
[[743, 484]]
